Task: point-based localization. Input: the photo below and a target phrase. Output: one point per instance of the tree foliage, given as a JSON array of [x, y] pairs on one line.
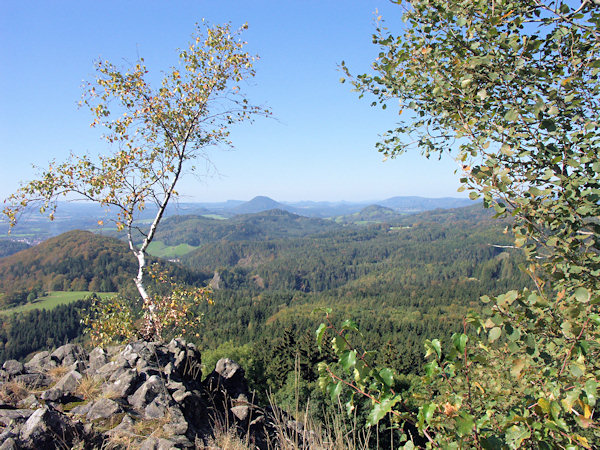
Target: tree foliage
[[511, 89], [156, 133]]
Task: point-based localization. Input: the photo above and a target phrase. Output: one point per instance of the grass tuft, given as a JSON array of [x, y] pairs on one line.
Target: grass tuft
[[12, 392]]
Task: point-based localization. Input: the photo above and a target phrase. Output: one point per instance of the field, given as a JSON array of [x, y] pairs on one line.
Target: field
[[52, 300], [161, 250]]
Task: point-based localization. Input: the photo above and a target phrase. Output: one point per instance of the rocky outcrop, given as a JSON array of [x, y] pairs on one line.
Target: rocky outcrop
[[144, 395]]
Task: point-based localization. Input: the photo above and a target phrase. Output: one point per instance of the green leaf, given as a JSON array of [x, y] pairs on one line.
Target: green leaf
[[361, 372], [433, 347], [334, 391], [320, 333], [348, 359], [426, 413], [460, 341], [350, 325], [591, 388], [431, 368], [582, 295], [464, 424], [517, 366], [350, 405], [387, 376], [339, 344], [379, 410], [548, 125], [511, 115], [544, 405], [516, 435], [555, 409], [494, 334]]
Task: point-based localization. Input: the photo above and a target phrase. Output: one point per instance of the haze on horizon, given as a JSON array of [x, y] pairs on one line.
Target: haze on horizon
[[319, 147]]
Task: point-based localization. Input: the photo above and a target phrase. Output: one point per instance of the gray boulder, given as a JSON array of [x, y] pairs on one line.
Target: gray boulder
[[103, 409], [12, 367], [65, 387]]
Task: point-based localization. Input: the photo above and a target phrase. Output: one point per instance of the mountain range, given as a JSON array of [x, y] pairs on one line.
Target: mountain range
[[34, 228]]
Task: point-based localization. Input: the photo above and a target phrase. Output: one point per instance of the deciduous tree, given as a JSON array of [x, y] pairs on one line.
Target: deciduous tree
[[156, 133], [511, 89]]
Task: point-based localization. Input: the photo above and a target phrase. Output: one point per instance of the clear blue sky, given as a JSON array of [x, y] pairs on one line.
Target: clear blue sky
[[320, 147]]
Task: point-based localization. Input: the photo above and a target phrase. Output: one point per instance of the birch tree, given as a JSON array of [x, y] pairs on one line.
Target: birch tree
[[511, 88], [155, 133]]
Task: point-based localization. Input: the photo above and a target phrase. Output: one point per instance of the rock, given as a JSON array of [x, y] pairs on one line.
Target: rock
[[33, 380], [81, 410], [36, 425], [52, 395], [69, 354], [178, 424], [175, 386], [103, 409], [119, 372], [97, 358], [156, 409], [44, 424], [144, 395], [241, 412], [9, 444], [180, 395], [123, 385], [13, 367], [12, 416], [30, 402], [153, 443], [69, 382], [108, 369], [230, 376], [40, 361], [64, 388], [144, 381], [125, 427]]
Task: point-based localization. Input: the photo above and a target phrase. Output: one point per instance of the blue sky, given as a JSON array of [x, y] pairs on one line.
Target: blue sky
[[320, 146]]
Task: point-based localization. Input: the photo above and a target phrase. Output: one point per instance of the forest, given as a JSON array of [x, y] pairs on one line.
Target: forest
[[401, 281]]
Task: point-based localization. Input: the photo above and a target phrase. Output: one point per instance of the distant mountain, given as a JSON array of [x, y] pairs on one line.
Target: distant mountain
[[418, 204], [325, 209], [76, 260], [8, 247], [35, 228], [371, 214], [474, 213], [79, 261], [259, 204], [265, 225]]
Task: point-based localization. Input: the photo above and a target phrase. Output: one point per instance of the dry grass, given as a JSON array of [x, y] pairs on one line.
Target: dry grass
[[339, 432], [225, 439], [56, 373], [12, 392], [120, 440], [109, 393], [141, 430], [152, 427], [89, 388]]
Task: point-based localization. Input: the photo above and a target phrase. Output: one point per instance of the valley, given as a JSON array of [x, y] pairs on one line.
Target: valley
[[401, 277]]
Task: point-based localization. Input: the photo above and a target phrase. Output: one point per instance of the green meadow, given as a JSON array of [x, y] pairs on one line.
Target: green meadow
[[52, 300], [160, 250]]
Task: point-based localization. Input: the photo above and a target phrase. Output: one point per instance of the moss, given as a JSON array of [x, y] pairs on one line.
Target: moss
[[107, 424], [70, 406]]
